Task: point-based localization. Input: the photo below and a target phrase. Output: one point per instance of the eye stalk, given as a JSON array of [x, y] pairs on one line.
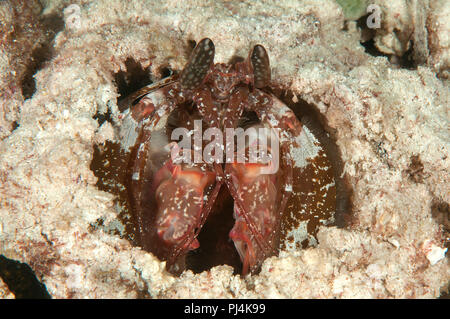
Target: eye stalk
[[261, 67], [202, 59], [198, 65]]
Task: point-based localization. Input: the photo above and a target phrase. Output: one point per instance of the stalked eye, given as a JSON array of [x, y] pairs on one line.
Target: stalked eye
[[261, 66], [199, 63]]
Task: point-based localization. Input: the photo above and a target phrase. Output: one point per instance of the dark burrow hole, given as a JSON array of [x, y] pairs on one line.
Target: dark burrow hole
[[43, 52], [21, 280], [189, 47], [216, 248], [15, 125], [133, 78], [102, 117]]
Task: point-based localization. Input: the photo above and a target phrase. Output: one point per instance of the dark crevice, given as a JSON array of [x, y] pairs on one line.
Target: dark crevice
[[132, 79], [166, 72], [370, 48], [405, 61], [15, 125], [21, 280], [103, 117], [135, 76], [216, 247], [361, 23], [189, 47], [42, 53]]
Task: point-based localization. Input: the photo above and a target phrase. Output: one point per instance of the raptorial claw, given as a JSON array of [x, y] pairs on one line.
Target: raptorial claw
[[255, 211], [179, 204], [242, 238]]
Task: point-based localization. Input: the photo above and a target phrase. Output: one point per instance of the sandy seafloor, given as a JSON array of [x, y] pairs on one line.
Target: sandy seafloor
[[390, 123]]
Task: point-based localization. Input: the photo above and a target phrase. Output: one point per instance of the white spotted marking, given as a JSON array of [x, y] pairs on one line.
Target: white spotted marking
[[307, 148]]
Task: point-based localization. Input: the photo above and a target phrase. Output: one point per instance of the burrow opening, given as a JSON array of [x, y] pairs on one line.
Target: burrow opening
[[110, 162]]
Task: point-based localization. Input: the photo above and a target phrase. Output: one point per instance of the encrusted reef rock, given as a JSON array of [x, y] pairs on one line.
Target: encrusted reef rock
[[20, 34], [390, 124], [5, 293]]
